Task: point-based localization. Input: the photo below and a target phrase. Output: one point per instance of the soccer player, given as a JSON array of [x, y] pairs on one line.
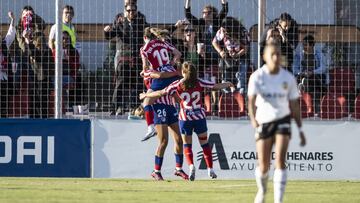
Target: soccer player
[[192, 114], [273, 101], [160, 73], [156, 52]]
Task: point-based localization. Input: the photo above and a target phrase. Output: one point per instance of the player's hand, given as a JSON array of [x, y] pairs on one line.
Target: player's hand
[[107, 28], [302, 139], [142, 73], [142, 96], [255, 124]]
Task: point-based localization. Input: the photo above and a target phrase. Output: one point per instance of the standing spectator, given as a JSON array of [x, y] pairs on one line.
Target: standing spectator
[[311, 70], [29, 23], [208, 25], [42, 64], [129, 39], [5, 67], [71, 65], [232, 44], [289, 32], [67, 25]]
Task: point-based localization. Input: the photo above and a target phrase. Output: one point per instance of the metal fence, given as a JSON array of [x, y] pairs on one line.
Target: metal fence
[[97, 72]]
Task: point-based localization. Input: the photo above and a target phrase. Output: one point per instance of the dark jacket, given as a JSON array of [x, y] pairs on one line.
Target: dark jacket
[[201, 22], [287, 48], [129, 33], [42, 62]]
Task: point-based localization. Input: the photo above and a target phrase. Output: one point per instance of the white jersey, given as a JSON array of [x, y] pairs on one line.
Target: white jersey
[[273, 93]]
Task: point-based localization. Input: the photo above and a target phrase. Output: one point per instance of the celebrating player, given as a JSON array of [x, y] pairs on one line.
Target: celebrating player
[[273, 100], [160, 73], [192, 114], [156, 52]]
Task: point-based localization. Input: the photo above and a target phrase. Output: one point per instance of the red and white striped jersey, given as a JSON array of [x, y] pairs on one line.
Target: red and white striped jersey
[[157, 53], [191, 107]]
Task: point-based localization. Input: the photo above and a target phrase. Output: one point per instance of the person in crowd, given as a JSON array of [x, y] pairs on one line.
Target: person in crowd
[[42, 64], [71, 66], [232, 43], [129, 38], [208, 25], [273, 99], [192, 116], [289, 33], [310, 69], [28, 24], [67, 25], [6, 74]]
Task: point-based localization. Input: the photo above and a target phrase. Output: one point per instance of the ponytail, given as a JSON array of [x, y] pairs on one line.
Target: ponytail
[[190, 75]]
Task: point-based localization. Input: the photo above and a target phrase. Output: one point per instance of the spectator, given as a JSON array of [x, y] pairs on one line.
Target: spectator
[[67, 25], [208, 25], [6, 68], [129, 39], [42, 64], [232, 44], [29, 23], [311, 70], [71, 65], [288, 30]]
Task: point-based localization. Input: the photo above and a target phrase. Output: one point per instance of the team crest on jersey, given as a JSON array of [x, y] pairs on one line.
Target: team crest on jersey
[[285, 85]]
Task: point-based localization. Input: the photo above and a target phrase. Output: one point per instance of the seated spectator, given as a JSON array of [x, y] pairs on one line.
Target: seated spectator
[[6, 68], [67, 25], [208, 25], [232, 44], [287, 28], [43, 66], [310, 69]]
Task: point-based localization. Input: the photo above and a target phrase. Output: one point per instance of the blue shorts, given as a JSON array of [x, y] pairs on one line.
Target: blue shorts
[[165, 114], [198, 126], [161, 83]]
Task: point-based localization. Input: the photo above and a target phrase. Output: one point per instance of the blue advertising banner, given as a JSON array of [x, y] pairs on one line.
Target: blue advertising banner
[[45, 148]]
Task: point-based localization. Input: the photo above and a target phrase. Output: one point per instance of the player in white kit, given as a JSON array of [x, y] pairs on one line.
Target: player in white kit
[[273, 101]]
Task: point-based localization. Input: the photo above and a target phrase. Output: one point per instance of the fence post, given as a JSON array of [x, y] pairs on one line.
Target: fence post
[[261, 26], [58, 60]]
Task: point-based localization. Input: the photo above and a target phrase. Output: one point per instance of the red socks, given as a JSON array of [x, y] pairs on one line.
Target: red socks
[[188, 154], [149, 115], [207, 155]]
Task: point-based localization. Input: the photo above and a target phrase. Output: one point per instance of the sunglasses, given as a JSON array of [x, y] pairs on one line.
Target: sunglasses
[[189, 30], [131, 10], [206, 12]]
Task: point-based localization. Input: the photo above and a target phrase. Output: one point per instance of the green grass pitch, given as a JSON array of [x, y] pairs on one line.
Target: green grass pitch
[[40, 190]]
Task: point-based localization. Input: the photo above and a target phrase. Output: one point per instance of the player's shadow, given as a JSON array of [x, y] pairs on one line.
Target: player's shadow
[[101, 162]]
